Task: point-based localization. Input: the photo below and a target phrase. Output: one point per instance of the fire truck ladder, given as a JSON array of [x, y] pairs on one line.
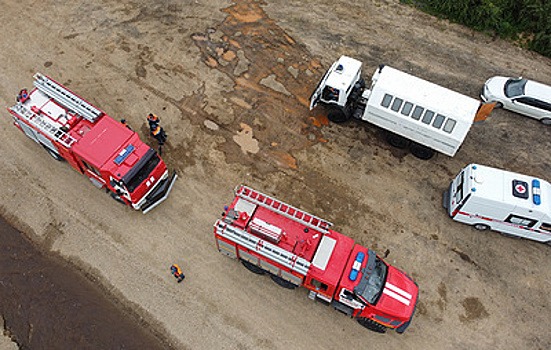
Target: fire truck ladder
[[284, 209], [54, 132], [66, 97], [266, 249]]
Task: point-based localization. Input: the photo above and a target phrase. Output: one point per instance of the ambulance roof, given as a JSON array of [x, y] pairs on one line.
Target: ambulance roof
[[509, 187]]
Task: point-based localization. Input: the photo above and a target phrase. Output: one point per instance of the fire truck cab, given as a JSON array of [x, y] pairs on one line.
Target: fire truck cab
[[299, 249], [111, 155], [510, 203]]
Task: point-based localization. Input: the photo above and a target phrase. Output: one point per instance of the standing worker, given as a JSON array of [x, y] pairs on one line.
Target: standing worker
[[156, 130], [177, 272]]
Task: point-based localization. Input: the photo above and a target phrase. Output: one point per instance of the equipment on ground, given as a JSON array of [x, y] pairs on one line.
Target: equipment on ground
[[299, 249], [111, 155]]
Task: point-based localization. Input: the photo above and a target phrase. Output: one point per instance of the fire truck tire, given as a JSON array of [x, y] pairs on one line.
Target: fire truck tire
[[337, 115], [421, 151], [116, 197], [481, 227], [371, 325], [54, 155], [253, 268], [283, 283], [397, 141]]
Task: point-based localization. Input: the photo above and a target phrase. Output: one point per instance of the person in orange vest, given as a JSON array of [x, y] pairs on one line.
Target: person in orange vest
[[123, 122], [177, 272], [159, 134], [153, 121]]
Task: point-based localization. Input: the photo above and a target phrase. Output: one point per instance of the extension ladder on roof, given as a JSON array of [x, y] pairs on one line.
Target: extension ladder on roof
[[284, 209], [38, 121], [66, 97]]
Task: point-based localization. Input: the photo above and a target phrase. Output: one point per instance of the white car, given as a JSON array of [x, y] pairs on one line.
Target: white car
[[520, 95]]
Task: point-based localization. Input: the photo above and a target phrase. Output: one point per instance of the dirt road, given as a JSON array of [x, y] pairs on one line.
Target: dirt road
[[230, 83]]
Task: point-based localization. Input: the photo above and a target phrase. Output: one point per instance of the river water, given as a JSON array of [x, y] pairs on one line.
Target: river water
[[47, 304]]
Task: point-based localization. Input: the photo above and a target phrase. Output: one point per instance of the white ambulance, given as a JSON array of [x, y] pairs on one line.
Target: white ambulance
[[493, 199]]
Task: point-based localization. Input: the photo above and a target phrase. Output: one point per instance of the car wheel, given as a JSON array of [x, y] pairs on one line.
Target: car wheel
[[481, 227], [546, 121], [499, 105]]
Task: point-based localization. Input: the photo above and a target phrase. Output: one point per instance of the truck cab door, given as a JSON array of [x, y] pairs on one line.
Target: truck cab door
[[315, 97]]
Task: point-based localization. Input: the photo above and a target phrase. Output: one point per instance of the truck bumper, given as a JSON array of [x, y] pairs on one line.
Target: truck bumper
[[159, 194], [403, 327]]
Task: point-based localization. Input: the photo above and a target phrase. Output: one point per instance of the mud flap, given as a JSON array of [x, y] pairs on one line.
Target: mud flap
[[157, 196]]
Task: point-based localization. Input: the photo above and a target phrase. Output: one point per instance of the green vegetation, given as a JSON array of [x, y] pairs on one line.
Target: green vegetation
[[526, 21]]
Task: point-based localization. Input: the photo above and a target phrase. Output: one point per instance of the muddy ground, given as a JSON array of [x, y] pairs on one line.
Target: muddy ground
[[230, 82]]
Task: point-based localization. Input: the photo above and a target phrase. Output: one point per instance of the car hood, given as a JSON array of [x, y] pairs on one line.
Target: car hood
[[494, 88]]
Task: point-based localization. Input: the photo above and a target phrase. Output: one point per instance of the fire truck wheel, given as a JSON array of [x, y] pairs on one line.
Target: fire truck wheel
[[397, 141], [481, 227], [421, 151], [117, 197], [371, 325], [283, 283], [54, 155], [336, 115], [253, 268]]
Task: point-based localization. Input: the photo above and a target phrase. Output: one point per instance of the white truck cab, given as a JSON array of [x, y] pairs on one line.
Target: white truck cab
[[510, 203], [417, 113]]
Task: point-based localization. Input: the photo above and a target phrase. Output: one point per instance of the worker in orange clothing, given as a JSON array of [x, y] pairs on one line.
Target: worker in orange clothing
[[159, 134], [125, 123], [153, 121], [177, 272]]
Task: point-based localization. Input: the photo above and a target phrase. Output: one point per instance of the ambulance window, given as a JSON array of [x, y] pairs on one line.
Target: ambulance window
[[427, 117], [386, 100], [396, 104], [438, 121], [546, 227], [519, 220], [318, 285], [407, 108], [417, 112], [450, 124]]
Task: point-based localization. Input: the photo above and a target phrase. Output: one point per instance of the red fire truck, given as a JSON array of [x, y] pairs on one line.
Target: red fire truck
[[111, 155], [299, 249]]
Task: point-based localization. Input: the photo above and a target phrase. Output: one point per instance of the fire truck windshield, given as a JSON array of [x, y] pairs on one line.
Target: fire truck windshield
[[373, 281], [141, 170]]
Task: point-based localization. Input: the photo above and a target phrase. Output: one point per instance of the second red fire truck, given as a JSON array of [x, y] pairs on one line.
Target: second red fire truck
[[299, 249], [111, 155]]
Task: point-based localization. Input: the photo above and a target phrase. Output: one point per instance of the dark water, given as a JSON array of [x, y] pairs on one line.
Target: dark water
[[47, 304]]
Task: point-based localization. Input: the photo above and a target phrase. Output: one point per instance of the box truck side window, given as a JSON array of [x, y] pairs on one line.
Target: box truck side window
[[427, 117], [438, 121], [417, 112], [407, 108], [519, 220], [397, 104], [450, 124], [545, 227], [386, 100]]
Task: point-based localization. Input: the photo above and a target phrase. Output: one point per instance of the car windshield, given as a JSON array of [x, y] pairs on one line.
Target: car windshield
[[515, 87], [373, 281]]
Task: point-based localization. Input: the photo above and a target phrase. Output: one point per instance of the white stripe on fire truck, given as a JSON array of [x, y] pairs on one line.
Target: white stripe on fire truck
[[396, 296], [398, 290]]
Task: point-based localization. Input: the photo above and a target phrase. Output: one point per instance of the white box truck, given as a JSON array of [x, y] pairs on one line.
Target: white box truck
[[494, 199], [417, 113]]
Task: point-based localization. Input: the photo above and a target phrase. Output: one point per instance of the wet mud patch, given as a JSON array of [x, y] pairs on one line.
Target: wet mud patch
[[474, 310], [273, 78]]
